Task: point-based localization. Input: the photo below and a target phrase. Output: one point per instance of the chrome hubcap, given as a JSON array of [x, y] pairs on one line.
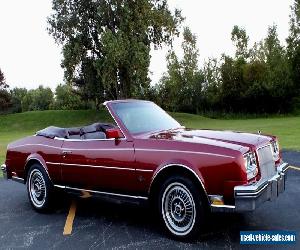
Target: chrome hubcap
[[178, 209], [37, 188]]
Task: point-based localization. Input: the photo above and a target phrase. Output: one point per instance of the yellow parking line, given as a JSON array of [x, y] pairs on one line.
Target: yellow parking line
[[69, 222], [296, 168], [85, 195]]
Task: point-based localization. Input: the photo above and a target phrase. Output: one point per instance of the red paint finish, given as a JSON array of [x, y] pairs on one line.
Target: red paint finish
[[129, 164], [99, 165], [35, 148]]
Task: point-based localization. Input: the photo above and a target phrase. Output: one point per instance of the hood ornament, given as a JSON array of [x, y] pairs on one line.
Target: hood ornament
[[259, 132]]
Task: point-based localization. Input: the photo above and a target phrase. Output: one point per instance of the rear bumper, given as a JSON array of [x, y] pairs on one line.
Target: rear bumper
[[4, 171], [249, 197]]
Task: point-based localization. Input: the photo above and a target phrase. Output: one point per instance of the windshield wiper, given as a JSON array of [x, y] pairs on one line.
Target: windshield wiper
[[167, 130]]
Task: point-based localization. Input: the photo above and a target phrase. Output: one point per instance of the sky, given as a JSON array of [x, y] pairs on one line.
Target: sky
[[29, 56]]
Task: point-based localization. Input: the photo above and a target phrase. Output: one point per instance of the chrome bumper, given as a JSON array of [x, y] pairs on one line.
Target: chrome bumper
[[3, 169], [249, 197]]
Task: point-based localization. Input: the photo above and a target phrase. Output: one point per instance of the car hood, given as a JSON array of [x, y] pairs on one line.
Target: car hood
[[212, 137]]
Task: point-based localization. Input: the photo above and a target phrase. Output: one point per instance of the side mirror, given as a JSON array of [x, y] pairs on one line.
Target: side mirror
[[113, 133]]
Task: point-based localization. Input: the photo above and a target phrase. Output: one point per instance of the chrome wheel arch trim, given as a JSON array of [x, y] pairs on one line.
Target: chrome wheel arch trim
[[184, 167], [42, 165]]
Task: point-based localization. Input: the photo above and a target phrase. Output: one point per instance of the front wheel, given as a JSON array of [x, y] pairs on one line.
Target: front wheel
[[39, 188], [181, 208]]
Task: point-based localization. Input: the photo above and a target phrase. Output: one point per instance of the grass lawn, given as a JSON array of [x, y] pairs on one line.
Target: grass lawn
[[16, 126]]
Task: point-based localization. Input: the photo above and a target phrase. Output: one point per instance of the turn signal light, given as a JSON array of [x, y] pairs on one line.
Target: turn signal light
[[216, 200]]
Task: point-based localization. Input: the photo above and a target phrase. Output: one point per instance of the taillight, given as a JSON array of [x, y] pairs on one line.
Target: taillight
[[275, 150], [250, 165]]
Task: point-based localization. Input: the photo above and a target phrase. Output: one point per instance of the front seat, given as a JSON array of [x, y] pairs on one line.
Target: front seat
[[94, 135]]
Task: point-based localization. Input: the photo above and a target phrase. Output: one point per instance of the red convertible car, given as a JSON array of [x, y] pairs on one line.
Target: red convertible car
[[147, 155]]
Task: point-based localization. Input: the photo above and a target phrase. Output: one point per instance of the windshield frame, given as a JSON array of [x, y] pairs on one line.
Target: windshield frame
[[110, 106]]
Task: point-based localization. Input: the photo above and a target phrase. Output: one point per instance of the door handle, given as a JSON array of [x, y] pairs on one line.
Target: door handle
[[66, 152]]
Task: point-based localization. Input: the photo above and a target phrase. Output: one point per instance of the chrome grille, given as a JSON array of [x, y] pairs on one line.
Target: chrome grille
[[266, 161]]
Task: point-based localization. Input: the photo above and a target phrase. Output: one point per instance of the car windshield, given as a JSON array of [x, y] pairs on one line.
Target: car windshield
[[142, 117]]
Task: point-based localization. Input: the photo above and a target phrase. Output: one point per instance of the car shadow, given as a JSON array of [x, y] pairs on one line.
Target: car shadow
[[220, 226]]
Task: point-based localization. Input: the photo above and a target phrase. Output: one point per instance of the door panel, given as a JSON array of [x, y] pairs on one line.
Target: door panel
[[99, 165]]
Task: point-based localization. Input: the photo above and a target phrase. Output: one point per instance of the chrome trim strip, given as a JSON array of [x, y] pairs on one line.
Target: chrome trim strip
[[283, 168], [53, 163], [84, 149], [263, 146], [83, 140], [34, 144], [115, 120], [104, 193], [99, 149], [97, 166], [144, 170], [223, 206], [183, 166], [251, 193], [90, 166], [18, 179], [128, 149], [183, 151]]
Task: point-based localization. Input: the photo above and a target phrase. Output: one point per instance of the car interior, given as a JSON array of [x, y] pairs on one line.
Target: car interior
[[90, 132]]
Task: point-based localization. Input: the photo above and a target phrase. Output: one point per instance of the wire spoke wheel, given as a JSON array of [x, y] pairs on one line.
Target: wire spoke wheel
[[37, 188], [178, 209]]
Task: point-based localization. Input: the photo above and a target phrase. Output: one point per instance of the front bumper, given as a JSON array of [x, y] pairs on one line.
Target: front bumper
[[4, 171], [249, 197]]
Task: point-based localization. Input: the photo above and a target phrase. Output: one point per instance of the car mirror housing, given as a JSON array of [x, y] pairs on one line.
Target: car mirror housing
[[114, 133]]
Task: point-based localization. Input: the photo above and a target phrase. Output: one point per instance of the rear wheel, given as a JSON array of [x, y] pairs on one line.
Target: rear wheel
[[181, 208], [39, 188]]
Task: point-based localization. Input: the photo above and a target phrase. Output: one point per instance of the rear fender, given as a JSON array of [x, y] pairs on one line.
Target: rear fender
[[34, 158]]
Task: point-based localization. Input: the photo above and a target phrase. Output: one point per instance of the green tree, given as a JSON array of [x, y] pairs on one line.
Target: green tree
[[293, 40], [181, 86], [66, 99], [255, 97], [27, 101], [5, 98], [232, 87], [293, 49], [106, 44], [257, 52], [17, 95], [37, 99], [279, 77], [240, 39], [212, 83], [42, 98]]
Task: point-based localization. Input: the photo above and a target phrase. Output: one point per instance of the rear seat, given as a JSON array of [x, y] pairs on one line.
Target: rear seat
[[93, 131]]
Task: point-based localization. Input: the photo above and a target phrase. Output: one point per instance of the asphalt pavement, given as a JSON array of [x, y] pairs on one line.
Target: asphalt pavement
[[102, 225]]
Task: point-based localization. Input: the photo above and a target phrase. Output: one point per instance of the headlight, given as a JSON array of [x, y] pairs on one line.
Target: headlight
[[250, 165], [275, 150]]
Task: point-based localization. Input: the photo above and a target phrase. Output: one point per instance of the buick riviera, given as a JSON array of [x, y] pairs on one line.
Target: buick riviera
[[146, 155]]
